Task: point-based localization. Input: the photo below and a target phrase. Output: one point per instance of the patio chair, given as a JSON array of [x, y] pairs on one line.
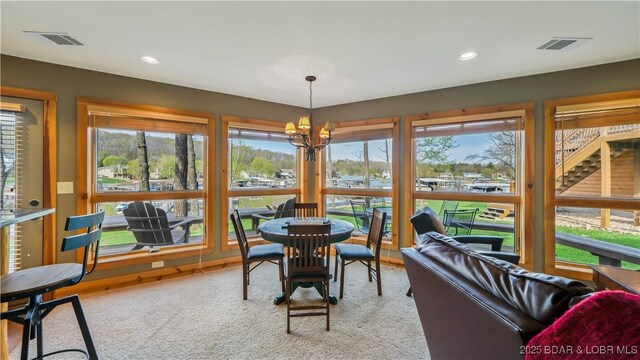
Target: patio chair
[[150, 226], [361, 215], [459, 222], [447, 206], [426, 220], [283, 210]]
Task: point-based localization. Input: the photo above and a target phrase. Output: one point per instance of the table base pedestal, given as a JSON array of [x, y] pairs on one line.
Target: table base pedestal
[[280, 298]]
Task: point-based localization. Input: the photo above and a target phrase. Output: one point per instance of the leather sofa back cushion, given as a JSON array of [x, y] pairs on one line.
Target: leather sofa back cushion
[[541, 296]]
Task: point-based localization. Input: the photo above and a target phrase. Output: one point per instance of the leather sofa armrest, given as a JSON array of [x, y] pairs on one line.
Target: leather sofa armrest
[[508, 257], [494, 241]]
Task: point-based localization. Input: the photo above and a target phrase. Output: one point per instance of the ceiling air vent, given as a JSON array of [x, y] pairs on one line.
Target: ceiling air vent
[[57, 37], [563, 43]]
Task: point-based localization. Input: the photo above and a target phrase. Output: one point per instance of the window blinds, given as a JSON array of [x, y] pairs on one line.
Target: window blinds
[[469, 127], [11, 155], [362, 133], [254, 134]]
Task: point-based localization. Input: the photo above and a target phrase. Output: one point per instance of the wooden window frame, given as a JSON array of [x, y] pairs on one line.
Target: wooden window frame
[[394, 193], [551, 265], [524, 200], [85, 160], [50, 163], [299, 191]]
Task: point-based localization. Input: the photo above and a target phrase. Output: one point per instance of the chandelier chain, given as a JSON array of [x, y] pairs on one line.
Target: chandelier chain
[[310, 97]]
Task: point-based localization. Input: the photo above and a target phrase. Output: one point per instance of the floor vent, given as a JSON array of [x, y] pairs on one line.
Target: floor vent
[[563, 43], [57, 38]]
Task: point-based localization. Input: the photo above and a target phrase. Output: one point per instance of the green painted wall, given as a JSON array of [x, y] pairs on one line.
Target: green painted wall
[[69, 83]]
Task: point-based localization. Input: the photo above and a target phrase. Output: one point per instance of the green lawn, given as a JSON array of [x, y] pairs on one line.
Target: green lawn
[[570, 254], [123, 237], [564, 253]]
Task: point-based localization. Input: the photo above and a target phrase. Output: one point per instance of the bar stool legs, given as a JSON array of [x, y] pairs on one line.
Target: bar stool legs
[[31, 317]]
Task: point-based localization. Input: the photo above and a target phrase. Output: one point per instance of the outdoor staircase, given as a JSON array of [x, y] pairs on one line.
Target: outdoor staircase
[[582, 152], [497, 211], [589, 165]]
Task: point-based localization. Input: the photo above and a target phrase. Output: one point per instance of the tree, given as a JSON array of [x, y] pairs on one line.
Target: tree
[[386, 154], [143, 161], [181, 170], [502, 150], [167, 166], [237, 158], [192, 176], [261, 167], [434, 151], [113, 160], [365, 155]]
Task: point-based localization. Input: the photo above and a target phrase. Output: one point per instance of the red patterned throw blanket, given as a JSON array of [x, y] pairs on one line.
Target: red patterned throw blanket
[[603, 326]]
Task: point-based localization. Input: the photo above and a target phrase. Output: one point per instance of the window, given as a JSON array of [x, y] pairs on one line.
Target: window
[[28, 152], [261, 171], [159, 157], [12, 153], [476, 164], [358, 173], [593, 183]]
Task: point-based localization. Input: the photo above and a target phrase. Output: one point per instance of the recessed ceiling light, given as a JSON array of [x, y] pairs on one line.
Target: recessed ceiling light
[[149, 59], [468, 56]]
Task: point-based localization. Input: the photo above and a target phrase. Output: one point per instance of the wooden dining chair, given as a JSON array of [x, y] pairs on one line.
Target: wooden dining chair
[[350, 253], [32, 283], [308, 260], [272, 253], [305, 209]]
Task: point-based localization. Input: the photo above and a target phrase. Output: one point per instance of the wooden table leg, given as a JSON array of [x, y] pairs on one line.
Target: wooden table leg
[[4, 269]]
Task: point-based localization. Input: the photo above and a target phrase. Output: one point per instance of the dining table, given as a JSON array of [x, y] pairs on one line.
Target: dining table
[[276, 231], [8, 218]]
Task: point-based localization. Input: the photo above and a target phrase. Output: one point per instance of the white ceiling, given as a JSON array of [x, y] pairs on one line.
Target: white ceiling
[[358, 50]]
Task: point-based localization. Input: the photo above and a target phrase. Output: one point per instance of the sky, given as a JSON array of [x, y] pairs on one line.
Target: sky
[[473, 144]]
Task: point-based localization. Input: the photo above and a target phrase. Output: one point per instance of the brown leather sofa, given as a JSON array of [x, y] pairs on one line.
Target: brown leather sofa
[[477, 307]]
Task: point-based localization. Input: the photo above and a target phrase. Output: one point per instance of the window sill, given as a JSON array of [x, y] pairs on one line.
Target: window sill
[[145, 257], [570, 270]]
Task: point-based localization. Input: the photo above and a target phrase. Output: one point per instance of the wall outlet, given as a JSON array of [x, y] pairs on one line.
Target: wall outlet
[[157, 264], [65, 187]]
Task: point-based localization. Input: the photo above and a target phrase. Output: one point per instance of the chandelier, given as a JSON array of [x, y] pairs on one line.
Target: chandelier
[[304, 133]]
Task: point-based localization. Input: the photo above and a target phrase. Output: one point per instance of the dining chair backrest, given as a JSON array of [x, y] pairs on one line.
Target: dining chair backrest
[[89, 240], [308, 248], [306, 209], [377, 230], [241, 236]]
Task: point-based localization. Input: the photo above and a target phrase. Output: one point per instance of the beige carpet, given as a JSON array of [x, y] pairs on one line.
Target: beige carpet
[[203, 316]]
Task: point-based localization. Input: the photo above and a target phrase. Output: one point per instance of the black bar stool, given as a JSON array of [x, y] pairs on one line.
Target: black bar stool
[[33, 283]]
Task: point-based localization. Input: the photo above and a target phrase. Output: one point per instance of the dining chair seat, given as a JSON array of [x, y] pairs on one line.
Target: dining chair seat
[[258, 254], [39, 280], [354, 252], [350, 253], [270, 251]]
